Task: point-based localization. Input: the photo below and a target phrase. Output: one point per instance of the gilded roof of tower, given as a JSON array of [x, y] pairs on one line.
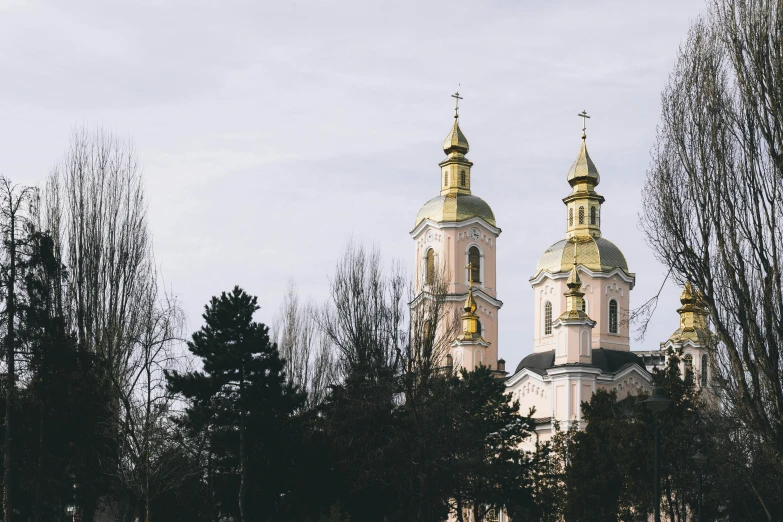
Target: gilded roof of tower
[[455, 207], [583, 167], [455, 140], [594, 253]]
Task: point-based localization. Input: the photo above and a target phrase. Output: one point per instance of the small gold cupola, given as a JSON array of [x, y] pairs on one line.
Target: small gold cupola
[[455, 169], [693, 317], [470, 329], [583, 205], [469, 320], [574, 295]]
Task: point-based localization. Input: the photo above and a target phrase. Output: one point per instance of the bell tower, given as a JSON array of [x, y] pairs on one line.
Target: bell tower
[[455, 237]]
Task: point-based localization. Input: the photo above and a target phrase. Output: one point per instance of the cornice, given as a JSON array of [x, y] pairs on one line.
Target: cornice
[[521, 374], [454, 224], [477, 292], [480, 342], [629, 277]]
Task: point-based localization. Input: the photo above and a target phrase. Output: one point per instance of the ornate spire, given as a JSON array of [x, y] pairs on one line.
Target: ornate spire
[[455, 141], [584, 203], [469, 318], [583, 169], [455, 169], [693, 317], [574, 295]]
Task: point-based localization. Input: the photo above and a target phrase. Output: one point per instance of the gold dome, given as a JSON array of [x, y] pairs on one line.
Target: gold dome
[[594, 253], [583, 168], [454, 208], [455, 141]]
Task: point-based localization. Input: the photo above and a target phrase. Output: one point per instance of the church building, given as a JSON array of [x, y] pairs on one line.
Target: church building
[[581, 290]]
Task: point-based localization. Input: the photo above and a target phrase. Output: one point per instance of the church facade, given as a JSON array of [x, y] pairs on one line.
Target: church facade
[[581, 289]]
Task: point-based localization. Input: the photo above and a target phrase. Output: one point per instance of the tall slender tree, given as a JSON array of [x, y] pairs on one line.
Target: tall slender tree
[[713, 200], [14, 217]]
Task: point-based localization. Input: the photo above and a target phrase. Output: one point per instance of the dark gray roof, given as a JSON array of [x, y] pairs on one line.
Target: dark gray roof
[[538, 362], [609, 361]]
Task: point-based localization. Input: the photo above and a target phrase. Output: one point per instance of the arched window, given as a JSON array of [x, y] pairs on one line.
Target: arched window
[[492, 516], [581, 215], [445, 179], [571, 217], [427, 336], [479, 327], [430, 268], [462, 178], [584, 305], [704, 364], [613, 316], [548, 318], [592, 215], [688, 360], [474, 258]]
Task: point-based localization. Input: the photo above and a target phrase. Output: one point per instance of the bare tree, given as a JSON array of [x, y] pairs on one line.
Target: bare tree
[[308, 353], [366, 317], [147, 441], [15, 213], [714, 198], [375, 321], [94, 207]]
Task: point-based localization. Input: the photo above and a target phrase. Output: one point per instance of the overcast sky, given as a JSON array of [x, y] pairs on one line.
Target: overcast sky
[[271, 132]]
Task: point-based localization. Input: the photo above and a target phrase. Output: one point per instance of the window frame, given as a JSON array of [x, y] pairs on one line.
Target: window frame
[[614, 327], [429, 269], [547, 318], [687, 363], [705, 363], [477, 268]]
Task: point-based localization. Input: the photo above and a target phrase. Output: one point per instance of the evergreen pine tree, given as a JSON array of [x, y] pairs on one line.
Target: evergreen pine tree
[[242, 398]]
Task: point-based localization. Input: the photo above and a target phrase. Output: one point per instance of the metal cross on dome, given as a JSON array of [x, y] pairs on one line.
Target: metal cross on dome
[[584, 117], [457, 97]]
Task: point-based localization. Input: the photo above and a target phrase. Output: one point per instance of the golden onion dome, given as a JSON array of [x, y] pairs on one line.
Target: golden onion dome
[[583, 168], [594, 253], [455, 208], [455, 141]]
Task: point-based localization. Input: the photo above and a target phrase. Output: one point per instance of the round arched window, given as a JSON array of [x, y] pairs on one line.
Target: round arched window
[[613, 316], [688, 362], [547, 318], [474, 260], [430, 267]]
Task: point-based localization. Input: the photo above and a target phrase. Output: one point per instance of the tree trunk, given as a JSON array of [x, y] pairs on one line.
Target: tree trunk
[[37, 513], [8, 460], [242, 469]]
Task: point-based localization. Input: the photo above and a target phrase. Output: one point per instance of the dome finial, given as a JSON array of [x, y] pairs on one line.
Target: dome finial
[[574, 282], [457, 98], [456, 141], [584, 117]]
